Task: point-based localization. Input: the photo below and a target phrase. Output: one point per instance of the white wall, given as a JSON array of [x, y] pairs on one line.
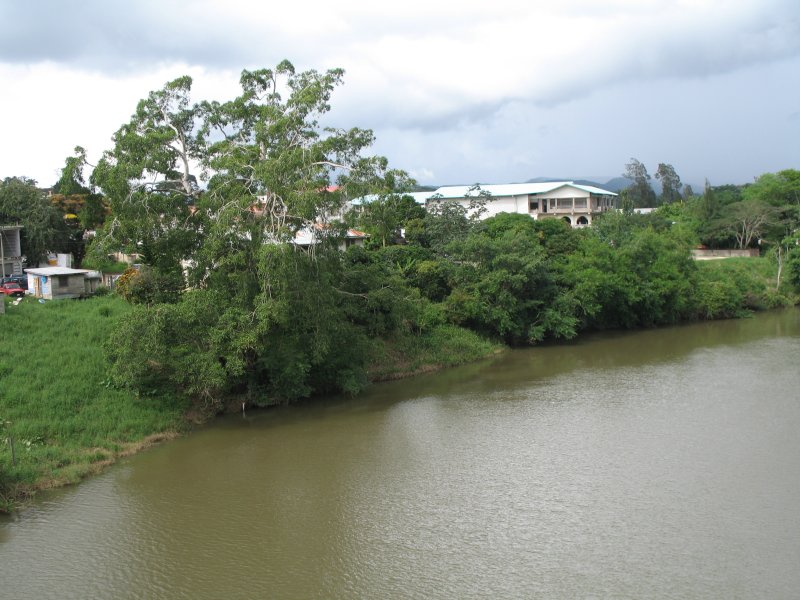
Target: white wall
[[567, 192]]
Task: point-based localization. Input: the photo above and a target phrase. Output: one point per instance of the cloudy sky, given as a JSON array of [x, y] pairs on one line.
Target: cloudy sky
[[456, 92]]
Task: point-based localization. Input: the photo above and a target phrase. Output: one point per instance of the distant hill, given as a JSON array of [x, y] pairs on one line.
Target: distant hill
[[616, 184], [612, 185]]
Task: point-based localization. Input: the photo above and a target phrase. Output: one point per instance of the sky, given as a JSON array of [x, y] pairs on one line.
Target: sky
[[460, 92]]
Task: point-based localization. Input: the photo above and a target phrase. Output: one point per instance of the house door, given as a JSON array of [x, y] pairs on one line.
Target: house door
[[37, 287]]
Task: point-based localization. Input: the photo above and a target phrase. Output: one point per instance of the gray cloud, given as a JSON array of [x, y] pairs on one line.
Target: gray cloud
[[492, 83], [113, 37]]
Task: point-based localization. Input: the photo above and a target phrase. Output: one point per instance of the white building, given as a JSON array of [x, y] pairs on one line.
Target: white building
[[574, 203]]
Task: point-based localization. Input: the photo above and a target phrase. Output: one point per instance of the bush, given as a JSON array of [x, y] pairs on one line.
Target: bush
[[149, 286], [719, 299]]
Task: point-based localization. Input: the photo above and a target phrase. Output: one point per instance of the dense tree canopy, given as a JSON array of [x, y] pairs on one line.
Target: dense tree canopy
[[43, 227]]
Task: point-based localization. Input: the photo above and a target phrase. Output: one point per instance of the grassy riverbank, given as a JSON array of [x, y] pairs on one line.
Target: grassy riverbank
[[67, 422]]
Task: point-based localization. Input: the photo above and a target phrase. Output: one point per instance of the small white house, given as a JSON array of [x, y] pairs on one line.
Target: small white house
[[53, 283]]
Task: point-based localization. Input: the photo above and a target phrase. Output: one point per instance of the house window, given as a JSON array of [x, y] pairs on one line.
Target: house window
[[63, 281], [580, 202], [533, 205], [565, 203]]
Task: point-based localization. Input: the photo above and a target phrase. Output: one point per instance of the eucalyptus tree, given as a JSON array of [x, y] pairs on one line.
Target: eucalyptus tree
[[639, 192], [670, 183], [149, 179]]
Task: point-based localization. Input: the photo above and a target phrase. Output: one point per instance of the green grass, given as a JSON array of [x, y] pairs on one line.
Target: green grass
[[55, 398]]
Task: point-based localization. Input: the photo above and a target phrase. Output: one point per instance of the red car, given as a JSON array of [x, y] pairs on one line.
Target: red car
[[12, 289]]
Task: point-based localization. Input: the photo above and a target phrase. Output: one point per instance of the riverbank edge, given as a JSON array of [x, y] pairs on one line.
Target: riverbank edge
[[401, 358], [21, 494]]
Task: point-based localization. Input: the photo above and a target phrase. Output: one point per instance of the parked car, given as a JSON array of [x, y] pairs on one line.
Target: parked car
[[20, 280], [11, 289]]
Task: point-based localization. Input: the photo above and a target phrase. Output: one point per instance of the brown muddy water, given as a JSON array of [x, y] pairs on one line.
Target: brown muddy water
[[655, 464]]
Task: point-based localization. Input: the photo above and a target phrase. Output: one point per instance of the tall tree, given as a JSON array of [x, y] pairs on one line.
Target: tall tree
[[670, 183], [273, 169], [72, 180], [262, 316], [640, 192]]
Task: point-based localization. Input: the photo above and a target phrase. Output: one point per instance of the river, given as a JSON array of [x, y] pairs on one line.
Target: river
[[653, 464]]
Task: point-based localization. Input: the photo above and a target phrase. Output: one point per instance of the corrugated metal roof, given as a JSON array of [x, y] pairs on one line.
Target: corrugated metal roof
[[517, 189], [50, 271], [593, 189]]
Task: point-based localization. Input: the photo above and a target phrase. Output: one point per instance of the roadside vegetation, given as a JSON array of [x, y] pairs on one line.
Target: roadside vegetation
[[227, 307]]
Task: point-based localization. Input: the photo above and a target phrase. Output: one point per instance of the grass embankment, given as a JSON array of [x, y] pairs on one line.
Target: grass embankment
[[66, 422]]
